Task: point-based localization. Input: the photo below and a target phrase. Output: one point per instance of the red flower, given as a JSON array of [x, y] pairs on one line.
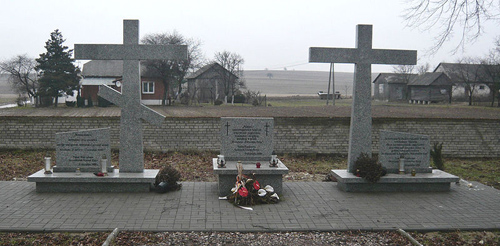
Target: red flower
[[243, 192], [256, 185]]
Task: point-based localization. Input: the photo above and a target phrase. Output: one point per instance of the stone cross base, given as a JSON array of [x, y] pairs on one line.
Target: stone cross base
[[88, 182], [421, 182], [266, 175]]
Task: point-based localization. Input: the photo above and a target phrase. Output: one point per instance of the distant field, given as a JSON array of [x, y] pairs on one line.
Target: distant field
[[289, 83], [7, 98], [4, 85]]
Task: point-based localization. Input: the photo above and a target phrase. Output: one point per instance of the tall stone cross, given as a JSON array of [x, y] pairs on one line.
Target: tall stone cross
[[132, 111], [363, 56]]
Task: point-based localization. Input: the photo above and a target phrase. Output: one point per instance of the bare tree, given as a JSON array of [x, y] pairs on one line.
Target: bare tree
[[347, 88], [233, 63], [465, 17], [22, 74], [491, 66], [468, 72], [421, 69], [173, 72]]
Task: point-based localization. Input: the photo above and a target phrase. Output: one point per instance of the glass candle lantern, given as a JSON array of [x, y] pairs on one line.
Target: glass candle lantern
[[47, 165]]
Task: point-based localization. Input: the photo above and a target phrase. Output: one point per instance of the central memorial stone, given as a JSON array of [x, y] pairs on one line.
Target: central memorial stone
[[249, 140], [410, 150]]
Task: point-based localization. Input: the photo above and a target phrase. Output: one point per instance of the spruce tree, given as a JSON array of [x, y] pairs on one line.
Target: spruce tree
[[57, 73]]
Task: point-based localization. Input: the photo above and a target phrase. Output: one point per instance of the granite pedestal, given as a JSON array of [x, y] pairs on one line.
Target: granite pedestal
[[435, 181], [88, 182], [273, 176]]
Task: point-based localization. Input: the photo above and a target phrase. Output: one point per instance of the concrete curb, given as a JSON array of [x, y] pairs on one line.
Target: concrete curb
[[111, 237], [409, 237]]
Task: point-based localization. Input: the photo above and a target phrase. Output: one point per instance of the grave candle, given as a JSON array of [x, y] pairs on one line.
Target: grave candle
[[104, 162], [47, 165], [401, 165]]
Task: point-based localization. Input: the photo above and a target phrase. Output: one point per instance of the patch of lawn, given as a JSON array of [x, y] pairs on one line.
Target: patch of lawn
[[485, 171]]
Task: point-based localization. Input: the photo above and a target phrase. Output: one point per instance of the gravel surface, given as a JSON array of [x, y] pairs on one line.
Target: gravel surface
[[279, 238]]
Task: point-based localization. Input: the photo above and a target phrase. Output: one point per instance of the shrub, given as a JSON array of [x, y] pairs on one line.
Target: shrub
[[167, 179], [70, 104], [240, 98], [368, 168], [218, 102], [46, 101], [80, 102], [437, 156]]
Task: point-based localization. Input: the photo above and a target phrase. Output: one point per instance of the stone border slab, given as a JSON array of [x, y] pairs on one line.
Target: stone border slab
[[88, 182], [422, 182]]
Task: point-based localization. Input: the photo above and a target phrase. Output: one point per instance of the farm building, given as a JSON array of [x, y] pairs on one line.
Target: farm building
[[207, 84], [469, 77], [430, 87], [392, 86], [109, 72]]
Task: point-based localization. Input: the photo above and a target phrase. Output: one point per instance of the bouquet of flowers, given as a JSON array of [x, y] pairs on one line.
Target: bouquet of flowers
[[248, 191]]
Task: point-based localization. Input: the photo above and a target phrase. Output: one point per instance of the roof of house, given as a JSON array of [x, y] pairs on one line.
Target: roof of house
[[429, 79], [206, 69], [393, 78], [458, 72]]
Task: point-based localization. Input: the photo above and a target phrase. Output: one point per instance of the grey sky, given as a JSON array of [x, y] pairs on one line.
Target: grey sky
[[268, 34]]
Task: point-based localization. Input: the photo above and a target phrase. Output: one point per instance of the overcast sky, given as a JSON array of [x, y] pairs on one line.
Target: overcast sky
[[268, 34]]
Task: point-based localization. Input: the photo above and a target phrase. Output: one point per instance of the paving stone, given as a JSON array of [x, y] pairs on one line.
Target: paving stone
[[462, 208]]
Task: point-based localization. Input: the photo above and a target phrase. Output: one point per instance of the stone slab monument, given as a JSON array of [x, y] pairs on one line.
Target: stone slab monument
[[360, 134], [405, 151], [83, 150], [246, 139], [131, 175], [249, 140]]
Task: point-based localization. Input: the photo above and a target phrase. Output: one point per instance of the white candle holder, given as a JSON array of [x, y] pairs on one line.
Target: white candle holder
[[221, 162], [104, 165], [274, 161], [48, 168], [401, 165]]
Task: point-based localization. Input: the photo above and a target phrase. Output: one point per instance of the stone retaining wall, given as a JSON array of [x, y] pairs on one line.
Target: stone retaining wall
[[461, 137]]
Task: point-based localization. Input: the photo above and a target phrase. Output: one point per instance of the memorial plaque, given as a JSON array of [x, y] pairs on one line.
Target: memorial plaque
[[413, 148], [82, 149], [247, 139]]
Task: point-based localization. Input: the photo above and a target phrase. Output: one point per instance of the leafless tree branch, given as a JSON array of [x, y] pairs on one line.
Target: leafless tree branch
[[465, 17]]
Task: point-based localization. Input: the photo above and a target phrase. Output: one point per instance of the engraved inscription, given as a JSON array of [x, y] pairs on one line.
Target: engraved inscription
[[82, 149], [246, 139], [413, 148]]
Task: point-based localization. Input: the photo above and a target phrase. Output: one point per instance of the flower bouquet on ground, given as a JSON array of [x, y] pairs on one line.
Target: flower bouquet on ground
[[248, 191]]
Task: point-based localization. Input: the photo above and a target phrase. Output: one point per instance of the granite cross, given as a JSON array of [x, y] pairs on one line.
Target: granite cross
[[132, 111], [363, 56]]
